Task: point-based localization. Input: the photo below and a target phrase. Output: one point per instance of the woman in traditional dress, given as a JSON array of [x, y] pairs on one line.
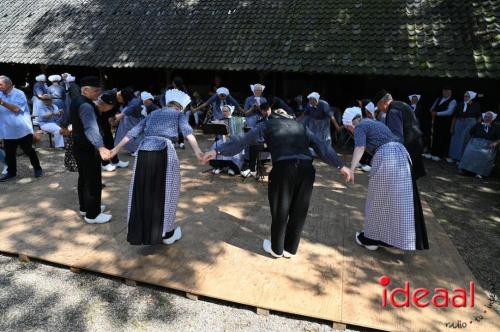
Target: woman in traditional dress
[[252, 105], [155, 186], [148, 103], [318, 116], [40, 89], [393, 212], [58, 92], [128, 118], [235, 127], [466, 115], [481, 151]]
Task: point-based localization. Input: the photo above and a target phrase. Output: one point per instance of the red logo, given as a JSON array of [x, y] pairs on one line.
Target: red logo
[[422, 297]]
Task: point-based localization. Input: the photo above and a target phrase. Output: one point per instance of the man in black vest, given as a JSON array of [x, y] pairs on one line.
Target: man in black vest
[[401, 120], [442, 114], [292, 177], [88, 149]]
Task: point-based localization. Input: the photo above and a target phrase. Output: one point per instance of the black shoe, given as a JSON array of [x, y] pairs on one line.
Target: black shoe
[[7, 177], [366, 242], [38, 173]]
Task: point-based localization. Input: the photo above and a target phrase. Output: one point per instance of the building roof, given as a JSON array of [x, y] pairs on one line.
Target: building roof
[[440, 38]]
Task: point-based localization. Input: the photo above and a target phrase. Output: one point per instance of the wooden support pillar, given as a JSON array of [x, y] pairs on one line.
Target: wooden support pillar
[[339, 326], [102, 77], [263, 312], [168, 76], [130, 282], [274, 83], [75, 269], [262, 77], [24, 258]]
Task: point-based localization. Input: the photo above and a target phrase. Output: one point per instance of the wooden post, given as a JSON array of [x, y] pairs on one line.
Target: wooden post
[[168, 76], [262, 77], [275, 81], [263, 312], [24, 258], [130, 282], [339, 326], [75, 269], [101, 76]]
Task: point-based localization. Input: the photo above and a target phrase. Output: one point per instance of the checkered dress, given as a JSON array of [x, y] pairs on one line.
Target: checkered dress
[[389, 210], [159, 128]]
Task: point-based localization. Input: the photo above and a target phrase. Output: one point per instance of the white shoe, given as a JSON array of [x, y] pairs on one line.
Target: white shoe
[[103, 208], [177, 236], [109, 168], [102, 218], [4, 172], [366, 168], [216, 171], [286, 254], [182, 146], [266, 245], [230, 172], [449, 161], [427, 156], [478, 176], [369, 247], [121, 164], [435, 158], [246, 173]]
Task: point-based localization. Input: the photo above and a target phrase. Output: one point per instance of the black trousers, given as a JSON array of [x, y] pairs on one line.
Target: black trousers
[[26, 144], [289, 192], [253, 154], [366, 159], [89, 181], [441, 136], [108, 140]]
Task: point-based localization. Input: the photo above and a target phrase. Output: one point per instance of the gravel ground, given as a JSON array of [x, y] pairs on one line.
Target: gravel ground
[[41, 297]]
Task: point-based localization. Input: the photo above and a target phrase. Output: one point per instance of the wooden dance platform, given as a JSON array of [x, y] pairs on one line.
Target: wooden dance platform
[[220, 255]]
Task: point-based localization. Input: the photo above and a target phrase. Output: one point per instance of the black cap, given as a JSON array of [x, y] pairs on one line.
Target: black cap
[[447, 87], [379, 95], [92, 81], [109, 97], [127, 94], [264, 106]]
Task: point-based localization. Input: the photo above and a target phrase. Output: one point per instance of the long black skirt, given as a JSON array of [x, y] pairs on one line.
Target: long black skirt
[[145, 224], [422, 242]]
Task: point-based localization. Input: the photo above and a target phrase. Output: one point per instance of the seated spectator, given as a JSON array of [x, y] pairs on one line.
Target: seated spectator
[[252, 151], [197, 115], [231, 164], [481, 151], [48, 117]]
